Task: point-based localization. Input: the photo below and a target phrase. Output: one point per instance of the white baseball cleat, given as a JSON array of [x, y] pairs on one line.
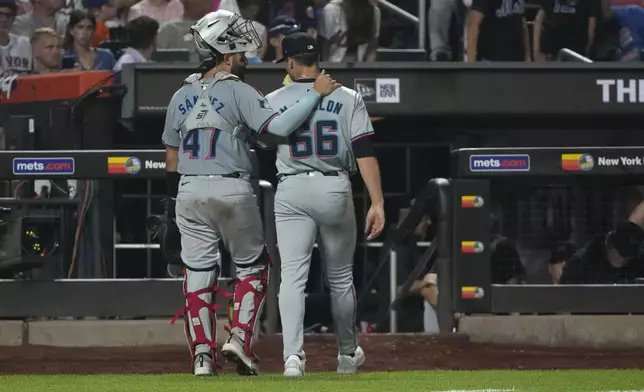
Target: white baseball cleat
[[203, 365], [294, 366], [348, 364], [233, 350]]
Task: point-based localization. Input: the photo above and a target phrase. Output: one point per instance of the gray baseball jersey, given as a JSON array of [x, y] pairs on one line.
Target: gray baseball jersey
[[207, 150], [323, 143]]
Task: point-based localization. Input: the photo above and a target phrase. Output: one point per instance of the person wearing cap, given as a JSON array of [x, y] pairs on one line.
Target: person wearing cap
[[15, 51], [280, 27], [314, 200]]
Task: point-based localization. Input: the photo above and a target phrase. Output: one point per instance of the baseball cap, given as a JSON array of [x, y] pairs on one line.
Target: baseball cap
[[298, 43], [11, 4], [282, 24]]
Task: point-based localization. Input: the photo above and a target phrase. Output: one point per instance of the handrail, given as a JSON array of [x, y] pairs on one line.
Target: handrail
[[419, 21], [437, 195], [401, 12], [566, 54]]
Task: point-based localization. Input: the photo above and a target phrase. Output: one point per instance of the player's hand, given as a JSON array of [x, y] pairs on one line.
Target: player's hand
[[324, 85], [375, 222]]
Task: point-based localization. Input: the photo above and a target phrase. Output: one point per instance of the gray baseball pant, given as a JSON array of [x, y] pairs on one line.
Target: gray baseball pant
[[212, 209], [311, 207], [439, 18]]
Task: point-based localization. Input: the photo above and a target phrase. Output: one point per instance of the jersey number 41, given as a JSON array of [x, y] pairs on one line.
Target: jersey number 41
[[321, 140]]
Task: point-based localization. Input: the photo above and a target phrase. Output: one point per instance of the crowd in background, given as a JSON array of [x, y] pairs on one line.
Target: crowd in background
[[49, 35]]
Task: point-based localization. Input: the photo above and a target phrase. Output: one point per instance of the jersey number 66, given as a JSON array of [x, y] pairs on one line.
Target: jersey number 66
[[320, 140]]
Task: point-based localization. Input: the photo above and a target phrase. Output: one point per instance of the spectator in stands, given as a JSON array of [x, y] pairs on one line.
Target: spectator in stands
[[249, 10], [497, 31], [176, 34], [103, 11], [77, 44], [143, 33], [566, 24], [46, 13], [349, 30], [160, 10], [279, 28], [302, 11], [15, 50], [620, 36], [123, 11], [48, 50], [439, 19], [614, 257]]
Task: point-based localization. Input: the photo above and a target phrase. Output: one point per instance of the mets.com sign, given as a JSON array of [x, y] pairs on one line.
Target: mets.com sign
[[500, 163]]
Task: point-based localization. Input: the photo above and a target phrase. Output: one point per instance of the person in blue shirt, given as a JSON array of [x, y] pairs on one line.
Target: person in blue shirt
[[630, 18], [77, 45]]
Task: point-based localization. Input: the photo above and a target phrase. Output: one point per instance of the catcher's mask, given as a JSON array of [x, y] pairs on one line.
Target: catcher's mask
[[224, 32]]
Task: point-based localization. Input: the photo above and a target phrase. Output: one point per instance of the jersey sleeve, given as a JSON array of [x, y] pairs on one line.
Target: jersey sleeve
[[171, 138], [360, 123], [254, 110]]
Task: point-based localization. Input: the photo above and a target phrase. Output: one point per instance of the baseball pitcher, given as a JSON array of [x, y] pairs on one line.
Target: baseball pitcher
[[15, 51], [314, 203], [210, 123]]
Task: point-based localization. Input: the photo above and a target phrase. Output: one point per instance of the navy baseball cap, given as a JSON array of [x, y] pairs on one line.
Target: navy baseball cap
[[298, 43], [282, 24]]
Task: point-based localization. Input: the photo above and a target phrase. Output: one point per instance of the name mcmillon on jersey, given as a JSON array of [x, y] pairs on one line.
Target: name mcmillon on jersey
[[325, 105]]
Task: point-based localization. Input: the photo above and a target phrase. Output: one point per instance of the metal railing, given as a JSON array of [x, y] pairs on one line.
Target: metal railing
[[420, 21]]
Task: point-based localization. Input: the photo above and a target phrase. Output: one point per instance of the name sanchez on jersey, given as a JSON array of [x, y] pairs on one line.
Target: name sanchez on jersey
[[189, 104]]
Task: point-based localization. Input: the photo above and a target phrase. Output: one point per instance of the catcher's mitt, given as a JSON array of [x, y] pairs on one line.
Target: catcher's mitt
[[166, 230]]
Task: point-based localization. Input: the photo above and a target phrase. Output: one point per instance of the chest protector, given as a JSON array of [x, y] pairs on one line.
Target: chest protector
[[203, 114]]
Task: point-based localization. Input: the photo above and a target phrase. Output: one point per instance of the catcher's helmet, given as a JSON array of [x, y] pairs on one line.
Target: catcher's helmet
[[224, 32]]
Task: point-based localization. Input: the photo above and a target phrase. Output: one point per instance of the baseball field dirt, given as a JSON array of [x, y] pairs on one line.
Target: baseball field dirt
[[384, 353]]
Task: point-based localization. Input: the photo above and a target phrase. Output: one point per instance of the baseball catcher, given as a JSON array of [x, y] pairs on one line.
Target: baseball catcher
[[210, 124]]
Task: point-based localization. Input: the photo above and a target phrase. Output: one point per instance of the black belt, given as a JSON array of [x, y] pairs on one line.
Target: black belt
[[230, 175], [326, 174]]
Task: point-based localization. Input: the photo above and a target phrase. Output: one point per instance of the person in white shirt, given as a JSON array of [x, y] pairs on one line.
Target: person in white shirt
[[15, 51], [142, 32], [45, 13]]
